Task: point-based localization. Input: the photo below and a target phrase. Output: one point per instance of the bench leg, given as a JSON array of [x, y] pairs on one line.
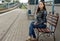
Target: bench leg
[[54, 37], [37, 34]]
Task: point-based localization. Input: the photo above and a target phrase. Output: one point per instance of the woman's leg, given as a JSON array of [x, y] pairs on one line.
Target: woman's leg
[[31, 30]]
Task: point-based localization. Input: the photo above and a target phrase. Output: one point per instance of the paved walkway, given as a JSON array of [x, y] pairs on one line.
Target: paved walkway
[[18, 31]]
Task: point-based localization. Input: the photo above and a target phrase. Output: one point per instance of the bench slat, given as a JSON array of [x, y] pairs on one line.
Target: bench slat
[[53, 15], [52, 19]]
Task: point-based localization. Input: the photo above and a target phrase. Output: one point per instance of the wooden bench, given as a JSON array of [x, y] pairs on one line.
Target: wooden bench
[[52, 20]]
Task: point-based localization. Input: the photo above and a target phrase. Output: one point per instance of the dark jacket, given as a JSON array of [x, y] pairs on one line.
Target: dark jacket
[[41, 17]]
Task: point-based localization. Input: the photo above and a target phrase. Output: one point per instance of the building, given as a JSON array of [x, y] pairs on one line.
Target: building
[[57, 1], [32, 2]]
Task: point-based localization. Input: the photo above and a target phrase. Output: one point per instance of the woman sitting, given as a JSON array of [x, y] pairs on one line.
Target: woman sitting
[[40, 21]]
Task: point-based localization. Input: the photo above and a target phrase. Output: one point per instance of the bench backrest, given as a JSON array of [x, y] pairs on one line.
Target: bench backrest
[[52, 19]]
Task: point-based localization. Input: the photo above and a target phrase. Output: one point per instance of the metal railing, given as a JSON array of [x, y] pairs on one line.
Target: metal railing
[[7, 5], [10, 7]]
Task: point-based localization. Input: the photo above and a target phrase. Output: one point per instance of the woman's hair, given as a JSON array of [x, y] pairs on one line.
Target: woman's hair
[[43, 7]]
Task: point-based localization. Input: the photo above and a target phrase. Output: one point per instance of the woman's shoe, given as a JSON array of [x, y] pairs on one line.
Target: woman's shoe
[[31, 39], [28, 39]]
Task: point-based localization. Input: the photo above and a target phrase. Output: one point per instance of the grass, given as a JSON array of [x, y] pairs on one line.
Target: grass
[[23, 7]]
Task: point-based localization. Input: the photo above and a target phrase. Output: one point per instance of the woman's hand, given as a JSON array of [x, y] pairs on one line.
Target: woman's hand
[[35, 23], [45, 23]]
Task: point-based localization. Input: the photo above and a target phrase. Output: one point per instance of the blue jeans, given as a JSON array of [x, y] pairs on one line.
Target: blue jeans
[[32, 26]]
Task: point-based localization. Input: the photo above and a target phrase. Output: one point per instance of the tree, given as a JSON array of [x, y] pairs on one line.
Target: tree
[[7, 0]]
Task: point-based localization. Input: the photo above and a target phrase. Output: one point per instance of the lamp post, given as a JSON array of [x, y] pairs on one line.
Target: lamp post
[[51, 27], [52, 6]]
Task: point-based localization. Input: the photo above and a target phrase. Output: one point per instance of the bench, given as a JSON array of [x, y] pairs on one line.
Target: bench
[[52, 20]]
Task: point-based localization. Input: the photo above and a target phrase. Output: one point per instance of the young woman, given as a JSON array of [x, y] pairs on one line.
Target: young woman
[[40, 21]]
